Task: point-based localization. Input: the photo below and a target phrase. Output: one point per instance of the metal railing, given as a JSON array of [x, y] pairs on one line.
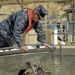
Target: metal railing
[[65, 30]]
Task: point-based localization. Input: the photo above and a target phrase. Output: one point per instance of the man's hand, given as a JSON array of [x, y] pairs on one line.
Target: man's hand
[[50, 47], [24, 48], [47, 45]]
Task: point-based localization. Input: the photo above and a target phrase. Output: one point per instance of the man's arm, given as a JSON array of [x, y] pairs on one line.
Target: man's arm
[[40, 35], [17, 30]]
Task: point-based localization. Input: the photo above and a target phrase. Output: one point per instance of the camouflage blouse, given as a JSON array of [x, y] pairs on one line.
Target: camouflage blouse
[[12, 31]]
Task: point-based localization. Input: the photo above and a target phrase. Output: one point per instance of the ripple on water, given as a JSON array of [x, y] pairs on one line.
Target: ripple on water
[[65, 67]]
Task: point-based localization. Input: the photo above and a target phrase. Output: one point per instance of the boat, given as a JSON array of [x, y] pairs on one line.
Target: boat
[[12, 59]]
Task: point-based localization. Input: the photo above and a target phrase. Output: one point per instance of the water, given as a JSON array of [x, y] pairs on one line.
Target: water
[[65, 67], [11, 65]]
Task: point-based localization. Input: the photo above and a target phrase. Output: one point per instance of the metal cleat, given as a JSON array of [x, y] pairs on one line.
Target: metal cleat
[[43, 71], [29, 65], [35, 69]]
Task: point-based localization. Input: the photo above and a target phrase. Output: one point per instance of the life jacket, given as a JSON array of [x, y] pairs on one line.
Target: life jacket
[[30, 24]]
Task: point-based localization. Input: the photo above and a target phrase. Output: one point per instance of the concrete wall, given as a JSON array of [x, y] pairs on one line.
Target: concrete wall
[[30, 38], [54, 9]]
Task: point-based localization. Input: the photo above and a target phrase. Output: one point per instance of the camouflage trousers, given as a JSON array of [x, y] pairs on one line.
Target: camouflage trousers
[[4, 42]]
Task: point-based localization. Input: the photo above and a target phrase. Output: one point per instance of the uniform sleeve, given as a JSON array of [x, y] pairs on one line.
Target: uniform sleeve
[[40, 34], [18, 26]]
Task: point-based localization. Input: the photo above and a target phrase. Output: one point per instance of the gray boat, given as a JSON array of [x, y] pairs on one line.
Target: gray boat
[[13, 60]]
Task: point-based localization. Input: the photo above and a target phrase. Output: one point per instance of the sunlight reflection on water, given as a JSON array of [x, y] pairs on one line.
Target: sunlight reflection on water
[[65, 67]]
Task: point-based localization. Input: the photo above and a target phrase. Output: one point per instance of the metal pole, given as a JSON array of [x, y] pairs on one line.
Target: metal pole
[[52, 56], [60, 53], [67, 16], [22, 5], [73, 24]]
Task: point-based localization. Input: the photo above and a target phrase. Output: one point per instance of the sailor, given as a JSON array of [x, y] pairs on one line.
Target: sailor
[[20, 22]]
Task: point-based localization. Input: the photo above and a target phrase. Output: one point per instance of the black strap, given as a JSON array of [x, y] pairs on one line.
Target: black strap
[[11, 19]]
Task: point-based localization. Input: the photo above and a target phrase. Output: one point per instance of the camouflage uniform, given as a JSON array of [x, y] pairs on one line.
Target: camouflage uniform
[[11, 31]]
